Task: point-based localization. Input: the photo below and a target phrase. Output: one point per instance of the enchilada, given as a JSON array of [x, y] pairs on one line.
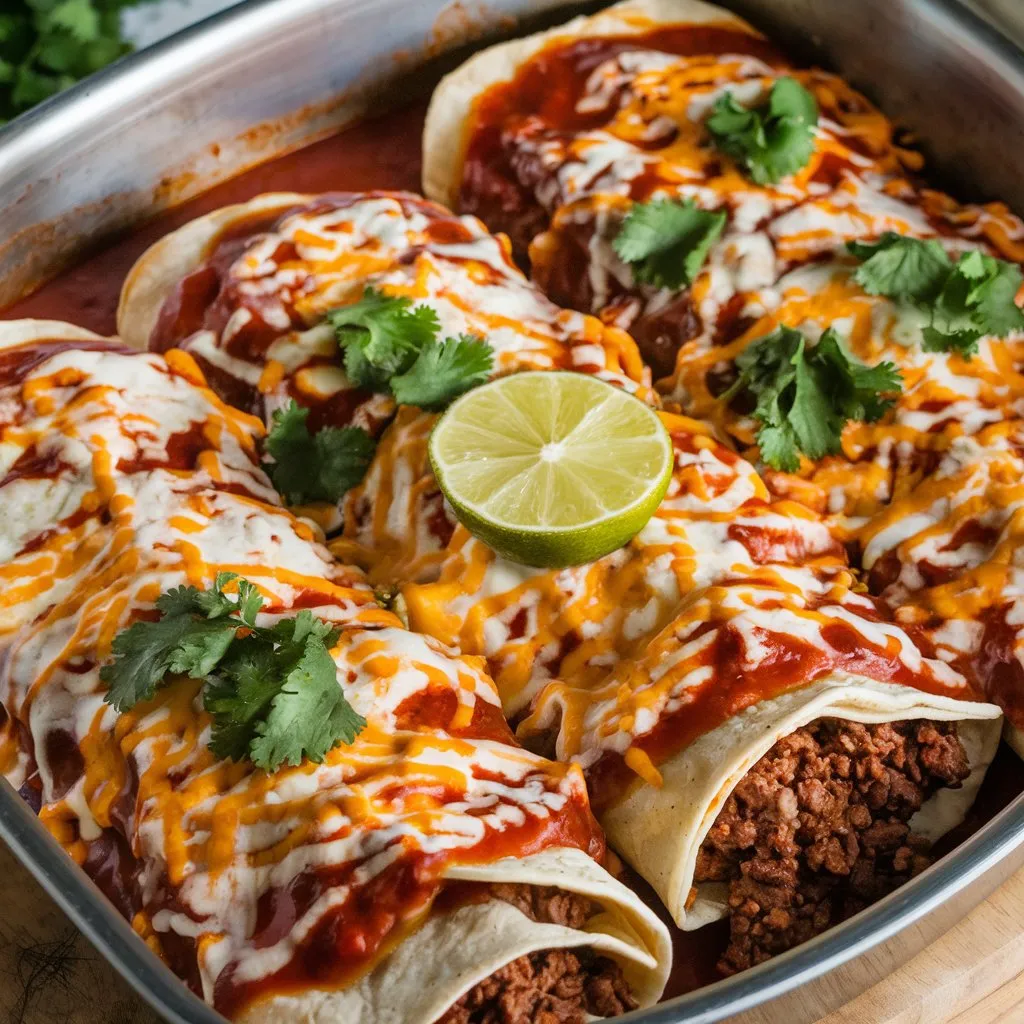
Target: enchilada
[[290, 847]]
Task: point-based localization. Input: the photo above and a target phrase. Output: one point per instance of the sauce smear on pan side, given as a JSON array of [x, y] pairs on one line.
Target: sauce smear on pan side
[[379, 153]]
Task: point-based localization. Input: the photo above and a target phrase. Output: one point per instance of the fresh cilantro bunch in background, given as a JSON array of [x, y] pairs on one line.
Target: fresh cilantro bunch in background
[[965, 300], [806, 394], [273, 692], [47, 45]]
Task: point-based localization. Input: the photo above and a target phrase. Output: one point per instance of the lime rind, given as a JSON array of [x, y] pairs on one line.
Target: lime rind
[[551, 468]]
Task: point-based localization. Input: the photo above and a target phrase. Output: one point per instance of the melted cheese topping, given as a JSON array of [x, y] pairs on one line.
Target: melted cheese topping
[[730, 646], [265, 327], [944, 396], [948, 558], [578, 623], [126, 477], [634, 130], [262, 335]]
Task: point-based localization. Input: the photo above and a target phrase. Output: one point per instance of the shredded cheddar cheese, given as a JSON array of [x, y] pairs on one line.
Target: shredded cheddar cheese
[[633, 129], [108, 509]]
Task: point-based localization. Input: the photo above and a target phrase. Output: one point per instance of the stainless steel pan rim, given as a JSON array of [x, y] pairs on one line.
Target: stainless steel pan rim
[[35, 179], [95, 916]]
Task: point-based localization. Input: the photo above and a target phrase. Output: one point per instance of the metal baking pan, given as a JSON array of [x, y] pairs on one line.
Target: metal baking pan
[[273, 75]]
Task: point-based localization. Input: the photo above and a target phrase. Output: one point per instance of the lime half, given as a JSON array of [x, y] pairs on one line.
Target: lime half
[[551, 469]]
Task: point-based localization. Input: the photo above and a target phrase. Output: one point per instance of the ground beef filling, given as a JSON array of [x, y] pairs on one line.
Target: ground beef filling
[[554, 986], [817, 829]]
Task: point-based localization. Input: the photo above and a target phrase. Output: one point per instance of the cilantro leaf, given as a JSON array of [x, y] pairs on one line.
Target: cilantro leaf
[[273, 693], [966, 300], [249, 681], [361, 372], [806, 395], [989, 300], [901, 267], [443, 371], [179, 601], [309, 714], [48, 45], [667, 241], [143, 654], [390, 346], [387, 334], [856, 388], [78, 17], [773, 139], [193, 633], [315, 467], [964, 342]]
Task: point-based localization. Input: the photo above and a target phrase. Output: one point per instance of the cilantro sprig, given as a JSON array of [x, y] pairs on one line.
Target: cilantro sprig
[[666, 241], [389, 346], [965, 300], [315, 467], [806, 394], [392, 346], [273, 692], [771, 140], [48, 45]]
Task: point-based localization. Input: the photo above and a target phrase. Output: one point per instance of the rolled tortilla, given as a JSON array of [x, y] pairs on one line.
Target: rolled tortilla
[[449, 117], [178, 499], [662, 828], [579, 622], [452, 952], [162, 267], [246, 290], [667, 737], [338, 245], [73, 437]]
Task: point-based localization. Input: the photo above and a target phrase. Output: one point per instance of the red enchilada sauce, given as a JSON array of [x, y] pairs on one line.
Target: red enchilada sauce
[[789, 663], [148, 768], [384, 153], [353, 937], [543, 95], [378, 153]]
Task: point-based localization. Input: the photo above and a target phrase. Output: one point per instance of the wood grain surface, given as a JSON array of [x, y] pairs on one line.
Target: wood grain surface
[[974, 974]]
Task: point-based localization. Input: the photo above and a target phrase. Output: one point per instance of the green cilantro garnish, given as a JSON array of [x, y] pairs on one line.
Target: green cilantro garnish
[[315, 467], [47, 45], [965, 300], [901, 267], [443, 371], [381, 336], [273, 692], [805, 395], [667, 241], [391, 346], [771, 140]]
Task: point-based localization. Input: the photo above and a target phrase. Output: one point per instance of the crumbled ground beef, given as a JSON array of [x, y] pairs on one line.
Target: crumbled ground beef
[[817, 829], [547, 904], [553, 986]]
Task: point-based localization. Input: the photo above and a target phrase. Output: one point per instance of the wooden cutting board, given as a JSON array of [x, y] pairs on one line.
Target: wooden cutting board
[[49, 974]]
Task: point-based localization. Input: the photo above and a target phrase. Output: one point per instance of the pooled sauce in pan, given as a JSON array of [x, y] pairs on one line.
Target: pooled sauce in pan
[[380, 153]]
